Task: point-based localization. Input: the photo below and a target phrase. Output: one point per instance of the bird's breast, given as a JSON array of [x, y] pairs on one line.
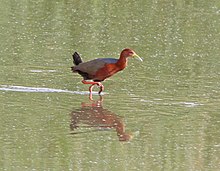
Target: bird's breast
[[107, 71]]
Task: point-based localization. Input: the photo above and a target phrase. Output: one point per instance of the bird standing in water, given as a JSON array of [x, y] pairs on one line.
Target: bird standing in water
[[97, 70]]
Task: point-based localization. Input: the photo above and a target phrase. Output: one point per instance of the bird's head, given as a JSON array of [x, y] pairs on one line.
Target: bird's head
[[130, 53]]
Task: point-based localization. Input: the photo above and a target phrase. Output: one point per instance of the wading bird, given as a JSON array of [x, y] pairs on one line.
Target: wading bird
[[97, 70]]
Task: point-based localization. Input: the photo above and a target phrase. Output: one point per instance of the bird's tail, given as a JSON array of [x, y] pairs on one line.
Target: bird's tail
[[77, 59]]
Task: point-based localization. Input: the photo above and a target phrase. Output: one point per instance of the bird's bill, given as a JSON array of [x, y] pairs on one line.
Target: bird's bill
[[138, 57]]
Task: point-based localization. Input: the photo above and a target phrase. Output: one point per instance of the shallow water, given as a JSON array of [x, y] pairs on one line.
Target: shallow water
[[161, 114]]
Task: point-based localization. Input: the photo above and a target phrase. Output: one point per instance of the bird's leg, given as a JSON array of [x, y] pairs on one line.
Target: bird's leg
[[93, 83], [90, 92], [90, 82], [101, 88], [91, 87], [90, 97]]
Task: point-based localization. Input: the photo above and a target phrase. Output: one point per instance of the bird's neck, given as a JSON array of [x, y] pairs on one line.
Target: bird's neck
[[122, 62]]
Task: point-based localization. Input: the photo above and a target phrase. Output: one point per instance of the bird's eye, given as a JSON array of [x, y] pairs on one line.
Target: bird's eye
[[130, 53]]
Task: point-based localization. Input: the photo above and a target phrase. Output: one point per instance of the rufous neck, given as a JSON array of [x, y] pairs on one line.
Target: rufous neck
[[122, 62]]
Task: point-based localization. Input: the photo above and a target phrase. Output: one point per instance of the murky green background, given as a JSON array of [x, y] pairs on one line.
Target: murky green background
[[169, 104]]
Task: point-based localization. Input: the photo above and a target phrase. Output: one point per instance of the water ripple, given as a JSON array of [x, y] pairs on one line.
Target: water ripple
[[38, 90]]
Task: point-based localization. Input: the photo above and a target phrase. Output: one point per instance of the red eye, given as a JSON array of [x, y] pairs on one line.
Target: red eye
[[130, 53]]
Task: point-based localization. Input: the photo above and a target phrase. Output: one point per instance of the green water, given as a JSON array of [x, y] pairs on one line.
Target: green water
[[168, 106]]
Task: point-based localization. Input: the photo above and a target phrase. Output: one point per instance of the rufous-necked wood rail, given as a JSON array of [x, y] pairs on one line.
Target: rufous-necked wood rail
[[97, 70]]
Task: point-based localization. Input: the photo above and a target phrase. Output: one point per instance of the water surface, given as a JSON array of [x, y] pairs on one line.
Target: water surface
[[161, 114]]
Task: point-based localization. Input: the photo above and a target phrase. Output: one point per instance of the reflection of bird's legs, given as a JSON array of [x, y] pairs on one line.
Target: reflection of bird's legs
[[94, 103], [100, 99], [93, 83]]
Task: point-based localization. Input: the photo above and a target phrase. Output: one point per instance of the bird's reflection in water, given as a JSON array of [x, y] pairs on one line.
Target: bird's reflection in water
[[93, 115]]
